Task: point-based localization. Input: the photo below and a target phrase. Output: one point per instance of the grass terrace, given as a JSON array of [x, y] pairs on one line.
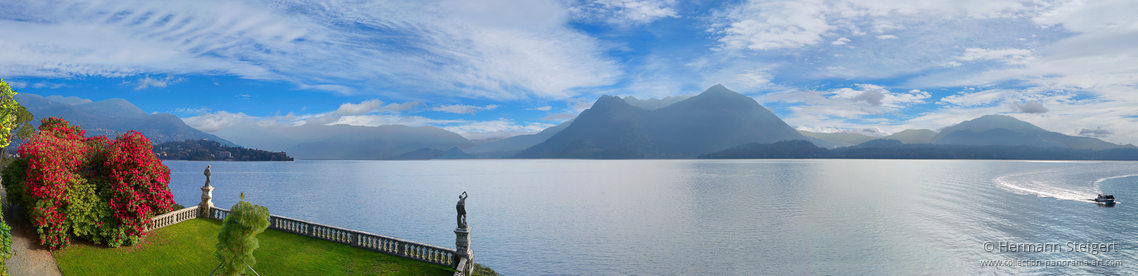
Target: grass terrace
[[187, 248]]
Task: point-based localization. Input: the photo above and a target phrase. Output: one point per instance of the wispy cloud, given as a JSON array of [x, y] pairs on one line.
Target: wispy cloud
[[623, 12], [496, 129], [495, 49], [148, 82], [462, 108]]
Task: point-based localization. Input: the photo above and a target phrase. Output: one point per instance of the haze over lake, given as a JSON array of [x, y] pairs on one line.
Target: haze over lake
[[707, 217]]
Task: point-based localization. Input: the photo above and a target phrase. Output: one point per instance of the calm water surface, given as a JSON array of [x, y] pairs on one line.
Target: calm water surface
[[698, 217]]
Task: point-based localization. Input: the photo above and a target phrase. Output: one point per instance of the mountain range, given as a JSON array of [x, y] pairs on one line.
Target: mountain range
[[316, 141], [112, 117], [715, 120]]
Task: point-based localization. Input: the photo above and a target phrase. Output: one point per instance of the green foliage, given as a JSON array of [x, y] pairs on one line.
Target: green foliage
[[238, 236], [9, 109], [9, 119], [89, 213], [13, 180], [481, 270], [5, 246]]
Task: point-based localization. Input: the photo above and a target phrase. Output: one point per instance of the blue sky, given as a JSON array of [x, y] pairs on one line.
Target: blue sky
[[491, 69]]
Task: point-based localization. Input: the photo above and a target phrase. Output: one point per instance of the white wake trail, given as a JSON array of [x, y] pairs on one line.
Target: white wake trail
[[1079, 181]]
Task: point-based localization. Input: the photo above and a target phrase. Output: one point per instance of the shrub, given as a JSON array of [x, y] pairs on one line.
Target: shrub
[[54, 156], [94, 188], [481, 270], [238, 236]]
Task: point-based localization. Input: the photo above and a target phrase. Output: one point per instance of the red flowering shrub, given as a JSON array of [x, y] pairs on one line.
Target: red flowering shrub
[[55, 155], [94, 188], [138, 180]]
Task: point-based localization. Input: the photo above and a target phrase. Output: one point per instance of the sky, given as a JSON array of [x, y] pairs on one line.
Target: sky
[[492, 69]]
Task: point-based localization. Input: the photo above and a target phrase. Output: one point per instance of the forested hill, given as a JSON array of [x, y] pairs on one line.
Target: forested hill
[[206, 150]]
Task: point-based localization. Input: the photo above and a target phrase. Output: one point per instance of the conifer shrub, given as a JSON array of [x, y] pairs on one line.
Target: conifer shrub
[[238, 236]]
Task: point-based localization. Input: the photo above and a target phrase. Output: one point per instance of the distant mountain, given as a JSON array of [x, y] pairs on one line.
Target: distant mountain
[[520, 142], [382, 142], [714, 120], [255, 136], [893, 149], [654, 103], [913, 136], [783, 149], [1011, 123], [997, 137], [455, 153], [839, 137], [420, 154], [112, 117], [317, 141]]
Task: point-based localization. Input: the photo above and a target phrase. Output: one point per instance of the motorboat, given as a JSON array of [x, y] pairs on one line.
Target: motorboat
[[1105, 198]]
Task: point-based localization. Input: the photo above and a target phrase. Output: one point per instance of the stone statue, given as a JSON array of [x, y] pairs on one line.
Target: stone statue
[[207, 175], [461, 210]]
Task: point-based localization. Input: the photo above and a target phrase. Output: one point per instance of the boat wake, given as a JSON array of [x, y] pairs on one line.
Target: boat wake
[[1076, 182]]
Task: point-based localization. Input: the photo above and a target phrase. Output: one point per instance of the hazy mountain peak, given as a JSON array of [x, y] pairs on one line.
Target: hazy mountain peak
[[714, 120], [606, 101], [988, 122], [112, 117], [654, 103], [112, 107], [68, 100], [913, 136]]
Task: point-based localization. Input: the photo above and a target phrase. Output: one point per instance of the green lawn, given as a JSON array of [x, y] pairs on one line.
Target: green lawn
[[187, 248]]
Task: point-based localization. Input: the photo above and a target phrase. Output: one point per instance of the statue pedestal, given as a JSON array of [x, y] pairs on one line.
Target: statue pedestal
[[207, 202], [462, 245]]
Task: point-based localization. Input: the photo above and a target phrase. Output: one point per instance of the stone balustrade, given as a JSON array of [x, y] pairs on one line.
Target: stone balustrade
[[379, 243], [172, 218], [461, 259]]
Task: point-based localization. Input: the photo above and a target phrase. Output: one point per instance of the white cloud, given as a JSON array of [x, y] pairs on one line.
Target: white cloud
[[975, 98], [212, 122], [489, 49], [201, 110], [48, 85], [1096, 132], [770, 25], [496, 129], [543, 108], [148, 82], [1009, 56], [462, 108], [840, 41], [624, 12], [372, 120], [579, 104], [753, 78], [1030, 107], [862, 102]]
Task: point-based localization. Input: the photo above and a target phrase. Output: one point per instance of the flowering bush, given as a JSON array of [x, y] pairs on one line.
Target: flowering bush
[[101, 190]]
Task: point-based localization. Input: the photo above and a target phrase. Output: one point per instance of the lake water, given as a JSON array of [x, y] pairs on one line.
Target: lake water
[[710, 217]]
